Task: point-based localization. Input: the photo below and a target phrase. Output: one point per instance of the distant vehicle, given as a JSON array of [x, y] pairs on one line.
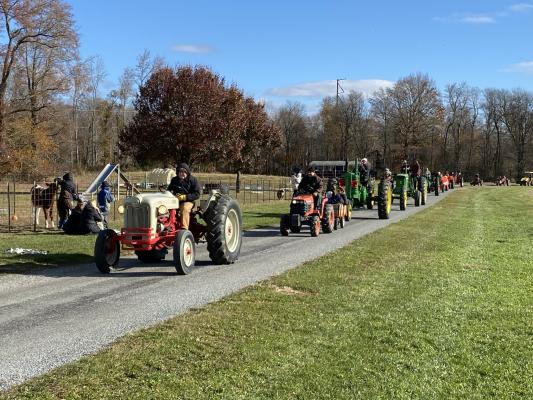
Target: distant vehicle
[[331, 169]]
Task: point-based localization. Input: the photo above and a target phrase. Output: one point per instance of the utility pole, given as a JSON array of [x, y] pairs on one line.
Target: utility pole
[[339, 87]]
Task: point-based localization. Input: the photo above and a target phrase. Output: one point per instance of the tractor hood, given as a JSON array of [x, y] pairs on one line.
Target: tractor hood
[[141, 209]]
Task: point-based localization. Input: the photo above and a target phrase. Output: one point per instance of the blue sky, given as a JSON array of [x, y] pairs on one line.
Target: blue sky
[[282, 51]]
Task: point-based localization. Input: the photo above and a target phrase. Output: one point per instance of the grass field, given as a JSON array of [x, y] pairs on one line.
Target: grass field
[[439, 305], [64, 249]]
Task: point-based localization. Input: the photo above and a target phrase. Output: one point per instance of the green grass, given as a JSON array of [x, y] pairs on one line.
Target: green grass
[[63, 249], [439, 306]]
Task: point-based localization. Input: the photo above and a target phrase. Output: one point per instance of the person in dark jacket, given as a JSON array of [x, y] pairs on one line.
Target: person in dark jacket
[[73, 224], [67, 195], [364, 171], [187, 189], [105, 197], [311, 184], [90, 216]]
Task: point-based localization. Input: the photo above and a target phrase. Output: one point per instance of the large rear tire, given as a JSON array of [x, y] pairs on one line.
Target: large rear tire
[[184, 252], [106, 250], [423, 191], [224, 230], [384, 200], [403, 199], [348, 215]]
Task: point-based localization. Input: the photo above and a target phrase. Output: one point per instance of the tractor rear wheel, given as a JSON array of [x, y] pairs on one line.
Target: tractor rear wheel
[[423, 191], [403, 199], [315, 226], [416, 196], [224, 230], [329, 219], [106, 250], [284, 225], [369, 200], [384, 199], [184, 252], [348, 211]]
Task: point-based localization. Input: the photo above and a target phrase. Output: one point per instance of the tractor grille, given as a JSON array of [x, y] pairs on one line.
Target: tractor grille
[[300, 207], [137, 216]]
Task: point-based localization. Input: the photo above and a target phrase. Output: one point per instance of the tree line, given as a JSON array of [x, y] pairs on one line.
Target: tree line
[[54, 116]]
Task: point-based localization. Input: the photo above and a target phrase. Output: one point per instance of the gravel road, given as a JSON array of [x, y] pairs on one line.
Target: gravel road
[[56, 315]]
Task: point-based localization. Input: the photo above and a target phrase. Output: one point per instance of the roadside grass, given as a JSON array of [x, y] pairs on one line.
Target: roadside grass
[[438, 305], [64, 249]]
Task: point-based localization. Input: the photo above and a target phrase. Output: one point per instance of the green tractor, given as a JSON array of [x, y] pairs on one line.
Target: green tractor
[[377, 192], [406, 186]]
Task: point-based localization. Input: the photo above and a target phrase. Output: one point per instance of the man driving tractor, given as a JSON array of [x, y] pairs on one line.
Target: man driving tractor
[[187, 189], [311, 184]]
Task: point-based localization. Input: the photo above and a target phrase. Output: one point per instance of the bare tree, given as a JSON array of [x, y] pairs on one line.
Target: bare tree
[[416, 109], [291, 122], [97, 75], [516, 110]]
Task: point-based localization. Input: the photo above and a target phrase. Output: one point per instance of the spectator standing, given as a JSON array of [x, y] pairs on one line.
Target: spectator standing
[[105, 197], [67, 195]]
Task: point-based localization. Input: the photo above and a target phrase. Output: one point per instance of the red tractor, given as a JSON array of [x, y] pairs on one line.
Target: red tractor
[[152, 227], [304, 212]]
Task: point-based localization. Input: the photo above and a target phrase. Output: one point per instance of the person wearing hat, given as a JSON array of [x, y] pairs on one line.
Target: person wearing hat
[[187, 189], [105, 197], [311, 184], [67, 195], [364, 171]]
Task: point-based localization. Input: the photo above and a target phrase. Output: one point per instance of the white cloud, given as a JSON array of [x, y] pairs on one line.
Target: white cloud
[[488, 18], [521, 7], [477, 19], [192, 48], [525, 67], [329, 88]]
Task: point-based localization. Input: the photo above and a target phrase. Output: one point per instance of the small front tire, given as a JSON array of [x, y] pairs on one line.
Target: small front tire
[[106, 250], [184, 252]]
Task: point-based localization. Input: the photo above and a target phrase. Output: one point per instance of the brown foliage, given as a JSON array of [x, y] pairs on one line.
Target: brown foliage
[[188, 115]]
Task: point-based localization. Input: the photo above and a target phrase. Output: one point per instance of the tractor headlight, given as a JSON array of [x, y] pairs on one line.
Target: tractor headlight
[[294, 202], [162, 210], [121, 209]]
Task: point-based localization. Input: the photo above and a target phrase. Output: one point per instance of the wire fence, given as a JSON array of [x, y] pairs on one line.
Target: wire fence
[[32, 206]]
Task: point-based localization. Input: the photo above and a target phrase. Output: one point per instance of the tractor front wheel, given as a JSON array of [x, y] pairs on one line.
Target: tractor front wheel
[[315, 226], [106, 250], [284, 225], [184, 252]]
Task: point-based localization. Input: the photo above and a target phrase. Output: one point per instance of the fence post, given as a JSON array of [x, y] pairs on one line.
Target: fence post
[[14, 197], [8, 209], [34, 211]]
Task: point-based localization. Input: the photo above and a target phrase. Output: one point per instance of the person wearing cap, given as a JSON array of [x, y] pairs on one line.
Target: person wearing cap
[[311, 184], [67, 195], [105, 197], [187, 189], [364, 171]]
